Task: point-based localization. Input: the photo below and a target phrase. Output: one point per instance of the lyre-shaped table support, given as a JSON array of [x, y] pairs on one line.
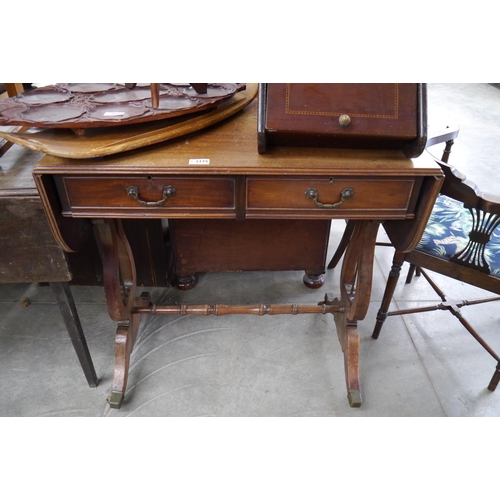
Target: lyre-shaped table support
[[355, 286], [120, 292], [126, 308]]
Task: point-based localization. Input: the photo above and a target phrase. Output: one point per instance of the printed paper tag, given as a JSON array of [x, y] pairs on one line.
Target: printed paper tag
[[199, 161], [114, 113]]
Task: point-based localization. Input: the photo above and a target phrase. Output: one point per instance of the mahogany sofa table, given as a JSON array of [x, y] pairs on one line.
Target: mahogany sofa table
[[230, 208]]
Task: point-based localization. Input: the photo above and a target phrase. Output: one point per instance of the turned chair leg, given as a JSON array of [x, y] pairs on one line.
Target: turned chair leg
[[495, 379], [392, 281], [411, 273]]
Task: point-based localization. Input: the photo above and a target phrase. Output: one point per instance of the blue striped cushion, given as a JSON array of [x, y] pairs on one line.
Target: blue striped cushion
[[447, 232]]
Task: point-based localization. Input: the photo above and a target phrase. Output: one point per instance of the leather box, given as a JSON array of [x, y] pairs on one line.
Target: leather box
[[343, 115]]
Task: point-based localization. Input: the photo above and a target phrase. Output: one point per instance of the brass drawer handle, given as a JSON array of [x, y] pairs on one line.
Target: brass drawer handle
[[168, 191], [312, 194]]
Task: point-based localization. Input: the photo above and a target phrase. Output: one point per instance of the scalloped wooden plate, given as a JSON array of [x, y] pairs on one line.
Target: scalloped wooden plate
[[108, 141]]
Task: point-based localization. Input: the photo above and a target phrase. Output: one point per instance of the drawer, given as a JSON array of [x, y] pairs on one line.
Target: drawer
[[343, 115], [323, 197], [374, 109], [139, 196]]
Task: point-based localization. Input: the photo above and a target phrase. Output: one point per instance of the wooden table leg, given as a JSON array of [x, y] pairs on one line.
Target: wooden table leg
[[355, 284], [120, 291], [64, 299], [125, 336]]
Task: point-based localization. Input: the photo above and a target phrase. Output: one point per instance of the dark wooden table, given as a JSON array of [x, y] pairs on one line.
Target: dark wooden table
[[28, 252], [230, 208]]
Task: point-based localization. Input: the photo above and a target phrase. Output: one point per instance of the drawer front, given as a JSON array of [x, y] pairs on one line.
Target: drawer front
[[345, 115], [330, 198], [373, 109], [130, 196]]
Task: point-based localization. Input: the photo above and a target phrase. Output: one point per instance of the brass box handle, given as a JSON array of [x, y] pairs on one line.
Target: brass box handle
[[168, 191], [312, 194]]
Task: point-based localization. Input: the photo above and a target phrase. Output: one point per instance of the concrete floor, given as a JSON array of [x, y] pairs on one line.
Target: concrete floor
[[422, 365]]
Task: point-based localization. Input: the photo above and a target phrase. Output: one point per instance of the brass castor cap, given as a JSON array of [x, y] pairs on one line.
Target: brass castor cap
[[115, 400], [354, 398]]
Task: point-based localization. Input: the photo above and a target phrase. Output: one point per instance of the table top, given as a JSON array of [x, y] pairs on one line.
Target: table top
[[230, 148], [16, 168]]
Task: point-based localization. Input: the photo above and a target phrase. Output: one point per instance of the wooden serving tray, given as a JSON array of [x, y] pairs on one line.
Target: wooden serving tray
[[81, 106], [110, 140]]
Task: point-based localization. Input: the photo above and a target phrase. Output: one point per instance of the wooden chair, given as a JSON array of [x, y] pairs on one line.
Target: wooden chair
[[461, 241]]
